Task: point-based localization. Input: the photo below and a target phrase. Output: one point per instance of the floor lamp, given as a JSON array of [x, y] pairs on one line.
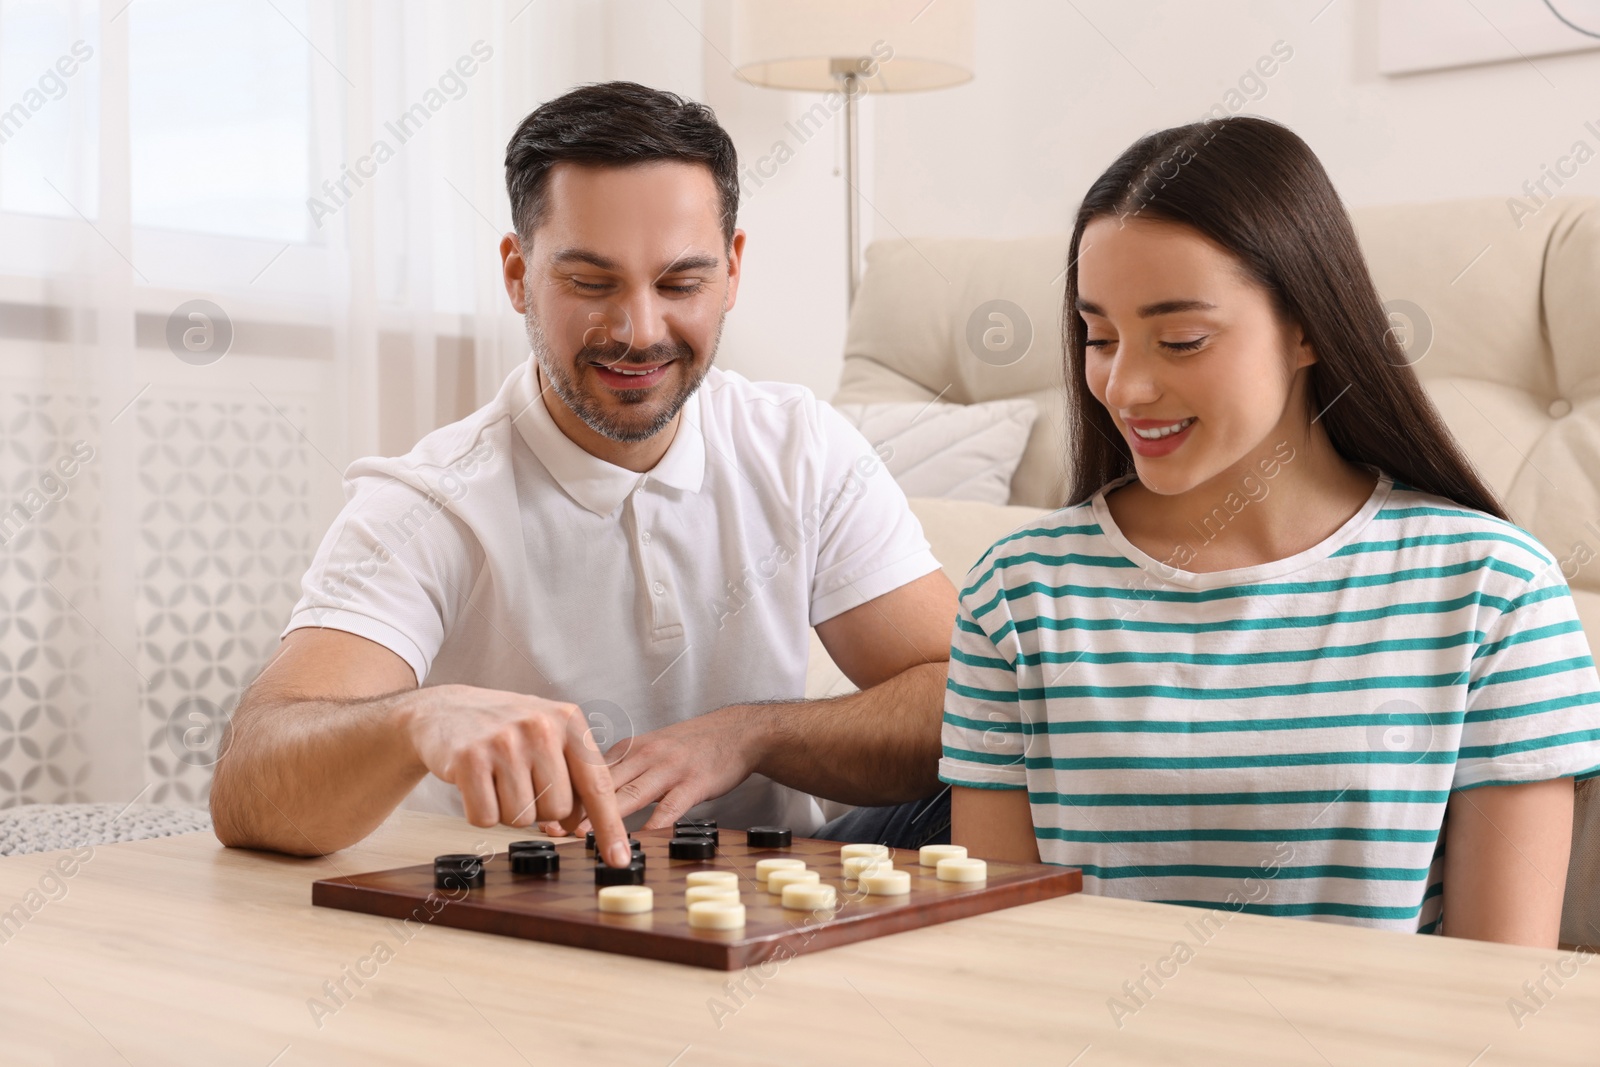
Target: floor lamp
[[848, 47]]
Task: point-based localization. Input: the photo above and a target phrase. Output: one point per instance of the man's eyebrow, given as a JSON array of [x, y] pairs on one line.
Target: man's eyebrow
[[1164, 307], [579, 255], [698, 261]]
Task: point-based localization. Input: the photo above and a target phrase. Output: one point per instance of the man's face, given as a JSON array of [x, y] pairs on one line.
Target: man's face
[[623, 287]]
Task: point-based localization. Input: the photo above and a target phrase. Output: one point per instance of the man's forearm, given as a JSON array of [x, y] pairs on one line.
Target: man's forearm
[[311, 777], [877, 746]]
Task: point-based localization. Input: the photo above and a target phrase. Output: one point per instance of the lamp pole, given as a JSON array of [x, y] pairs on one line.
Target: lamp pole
[[821, 46], [847, 71]]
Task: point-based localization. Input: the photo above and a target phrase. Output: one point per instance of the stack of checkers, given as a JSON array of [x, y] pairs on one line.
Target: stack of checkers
[[534, 857], [693, 839], [605, 874], [458, 870]]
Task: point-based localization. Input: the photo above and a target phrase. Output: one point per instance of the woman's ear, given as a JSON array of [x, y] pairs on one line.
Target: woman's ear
[[1304, 354]]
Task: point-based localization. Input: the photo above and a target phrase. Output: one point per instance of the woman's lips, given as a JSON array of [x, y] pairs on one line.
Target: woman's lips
[[1160, 446]]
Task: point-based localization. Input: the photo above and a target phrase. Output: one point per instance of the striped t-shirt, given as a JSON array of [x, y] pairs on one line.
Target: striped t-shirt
[[1280, 739]]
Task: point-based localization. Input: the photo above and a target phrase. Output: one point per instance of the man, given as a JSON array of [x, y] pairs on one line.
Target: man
[[626, 542]]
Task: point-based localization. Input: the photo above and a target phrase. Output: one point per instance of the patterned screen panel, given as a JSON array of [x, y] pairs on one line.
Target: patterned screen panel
[[220, 529], [50, 492]]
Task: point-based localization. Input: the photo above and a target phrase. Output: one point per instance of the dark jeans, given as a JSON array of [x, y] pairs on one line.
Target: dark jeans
[[910, 825]]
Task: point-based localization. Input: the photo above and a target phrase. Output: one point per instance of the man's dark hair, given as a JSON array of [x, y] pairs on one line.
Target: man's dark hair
[[616, 124]]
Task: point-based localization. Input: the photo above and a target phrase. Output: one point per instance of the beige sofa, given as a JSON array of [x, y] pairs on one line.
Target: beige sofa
[[1503, 324]]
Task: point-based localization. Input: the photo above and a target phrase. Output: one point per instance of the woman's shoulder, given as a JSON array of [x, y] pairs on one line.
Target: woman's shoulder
[[1044, 542], [1413, 518]]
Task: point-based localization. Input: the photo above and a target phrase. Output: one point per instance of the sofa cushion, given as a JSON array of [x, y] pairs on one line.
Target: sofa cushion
[[925, 323], [950, 451]]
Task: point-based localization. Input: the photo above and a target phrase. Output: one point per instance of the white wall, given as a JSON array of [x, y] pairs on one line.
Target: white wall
[[1058, 95], [789, 322]]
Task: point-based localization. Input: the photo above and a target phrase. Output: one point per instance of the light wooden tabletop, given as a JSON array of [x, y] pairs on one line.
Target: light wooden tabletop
[[179, 951]]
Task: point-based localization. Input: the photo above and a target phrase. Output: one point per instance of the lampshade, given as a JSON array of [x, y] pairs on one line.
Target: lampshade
[[905, 44]]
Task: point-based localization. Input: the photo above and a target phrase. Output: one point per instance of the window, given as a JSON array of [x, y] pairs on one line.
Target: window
[[219, 116], [49, 107]]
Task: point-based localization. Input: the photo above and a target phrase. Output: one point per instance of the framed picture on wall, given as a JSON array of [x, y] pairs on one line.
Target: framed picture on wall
[[1423, 35]]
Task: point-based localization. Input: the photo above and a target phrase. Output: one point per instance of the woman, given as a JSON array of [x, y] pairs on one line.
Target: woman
[[1282, 652]]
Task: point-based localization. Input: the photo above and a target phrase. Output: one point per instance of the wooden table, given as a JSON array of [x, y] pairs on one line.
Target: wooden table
[[179, 951]]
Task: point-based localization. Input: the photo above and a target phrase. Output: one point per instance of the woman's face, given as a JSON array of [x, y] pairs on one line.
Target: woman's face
[[1186, 352]]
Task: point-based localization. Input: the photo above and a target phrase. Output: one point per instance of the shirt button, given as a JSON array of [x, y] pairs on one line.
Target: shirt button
[[659, 588], [644, 538]]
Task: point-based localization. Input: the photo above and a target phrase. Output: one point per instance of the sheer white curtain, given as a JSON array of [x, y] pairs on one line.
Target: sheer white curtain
[[242, 242]]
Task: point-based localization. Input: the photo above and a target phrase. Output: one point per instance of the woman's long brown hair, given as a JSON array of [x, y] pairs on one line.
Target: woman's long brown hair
[[1256, 189]]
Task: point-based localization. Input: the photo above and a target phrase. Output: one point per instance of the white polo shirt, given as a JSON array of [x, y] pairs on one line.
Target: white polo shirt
[[498, 553]]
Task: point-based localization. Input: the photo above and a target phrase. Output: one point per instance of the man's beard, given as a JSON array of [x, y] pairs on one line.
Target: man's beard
[[589, 409]]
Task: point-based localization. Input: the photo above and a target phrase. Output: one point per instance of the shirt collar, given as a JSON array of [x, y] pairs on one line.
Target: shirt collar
[[596, 485]]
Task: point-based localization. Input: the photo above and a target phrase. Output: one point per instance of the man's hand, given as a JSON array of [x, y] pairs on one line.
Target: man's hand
[[679, 766], [516, 758]]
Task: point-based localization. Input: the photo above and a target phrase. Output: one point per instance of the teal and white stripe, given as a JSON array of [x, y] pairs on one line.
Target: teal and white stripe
[[1280, 739]]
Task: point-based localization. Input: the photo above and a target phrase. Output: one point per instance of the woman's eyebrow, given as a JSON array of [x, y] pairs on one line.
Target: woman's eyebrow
[[1164, 307]]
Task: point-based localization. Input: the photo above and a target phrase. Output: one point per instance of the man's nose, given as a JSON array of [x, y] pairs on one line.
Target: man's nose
[[638, 320]]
